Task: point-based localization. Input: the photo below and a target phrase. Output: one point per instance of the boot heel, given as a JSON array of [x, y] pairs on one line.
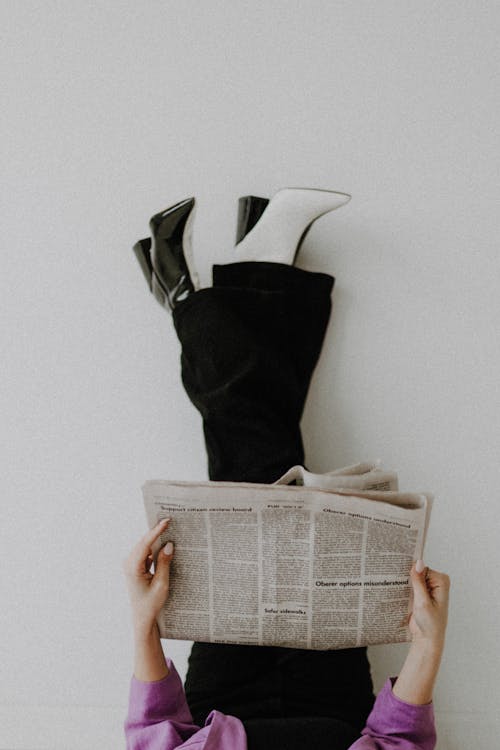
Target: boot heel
[[142, 250], [159, 293], [250, 209]]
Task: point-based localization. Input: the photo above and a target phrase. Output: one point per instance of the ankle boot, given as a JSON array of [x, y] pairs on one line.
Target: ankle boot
[[280, 231], [169, 270], [250, 209]]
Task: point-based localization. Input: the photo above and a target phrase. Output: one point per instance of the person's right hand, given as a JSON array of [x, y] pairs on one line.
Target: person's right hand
[[429, 615]]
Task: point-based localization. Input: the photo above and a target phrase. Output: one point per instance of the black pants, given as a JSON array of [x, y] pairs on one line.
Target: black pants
[[250, 344]]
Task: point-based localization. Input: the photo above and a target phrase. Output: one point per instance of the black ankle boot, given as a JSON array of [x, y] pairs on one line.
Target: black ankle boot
[[250, 209], [169, 269]]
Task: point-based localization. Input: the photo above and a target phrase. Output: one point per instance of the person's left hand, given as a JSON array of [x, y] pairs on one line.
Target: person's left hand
[[148, 591]]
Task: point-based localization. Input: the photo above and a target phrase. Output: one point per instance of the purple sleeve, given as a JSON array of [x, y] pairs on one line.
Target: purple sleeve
[[158, 715], [394, 724]]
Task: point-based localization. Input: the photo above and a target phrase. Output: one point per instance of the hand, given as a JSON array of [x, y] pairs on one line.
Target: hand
[[429, 616], [148, 592]]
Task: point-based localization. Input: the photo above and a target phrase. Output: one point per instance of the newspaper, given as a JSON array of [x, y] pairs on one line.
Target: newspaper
[[322, 563]]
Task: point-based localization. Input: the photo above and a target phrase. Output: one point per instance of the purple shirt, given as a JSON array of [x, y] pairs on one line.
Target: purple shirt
[[159, 719]]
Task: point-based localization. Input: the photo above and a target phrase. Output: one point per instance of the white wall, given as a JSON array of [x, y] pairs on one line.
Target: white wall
[[112, 112]]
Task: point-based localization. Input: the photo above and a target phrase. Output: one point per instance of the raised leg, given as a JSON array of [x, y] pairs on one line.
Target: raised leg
[[250, 345]]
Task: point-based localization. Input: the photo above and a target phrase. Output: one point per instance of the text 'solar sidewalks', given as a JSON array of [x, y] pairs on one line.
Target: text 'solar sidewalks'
[[322, 563]]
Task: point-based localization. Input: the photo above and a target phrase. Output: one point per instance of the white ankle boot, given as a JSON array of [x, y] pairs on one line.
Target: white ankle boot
[[281, 229]]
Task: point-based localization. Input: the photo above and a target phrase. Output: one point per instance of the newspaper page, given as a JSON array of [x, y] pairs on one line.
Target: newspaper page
[[292, 566]]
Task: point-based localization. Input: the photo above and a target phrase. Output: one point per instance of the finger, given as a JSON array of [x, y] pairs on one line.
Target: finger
[[152, 535], [162, 566], [143, 547], [439, 585]]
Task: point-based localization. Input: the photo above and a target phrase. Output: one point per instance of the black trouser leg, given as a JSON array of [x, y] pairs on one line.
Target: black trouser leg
[[250, 345]]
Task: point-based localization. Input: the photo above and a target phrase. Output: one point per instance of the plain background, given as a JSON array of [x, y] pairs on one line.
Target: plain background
[[114, 111]]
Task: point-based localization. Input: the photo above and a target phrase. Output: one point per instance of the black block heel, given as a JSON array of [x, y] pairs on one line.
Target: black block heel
[[250, 209], [142, 250]]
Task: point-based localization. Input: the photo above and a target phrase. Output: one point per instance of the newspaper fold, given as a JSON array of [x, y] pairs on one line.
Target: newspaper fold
[[319, 564]]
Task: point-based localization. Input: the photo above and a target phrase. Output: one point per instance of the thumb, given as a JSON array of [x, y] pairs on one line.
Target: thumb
[[420, 591]]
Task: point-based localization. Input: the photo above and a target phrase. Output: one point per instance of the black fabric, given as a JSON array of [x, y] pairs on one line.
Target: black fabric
[[269, 682], [304, 733], [250, 344]]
